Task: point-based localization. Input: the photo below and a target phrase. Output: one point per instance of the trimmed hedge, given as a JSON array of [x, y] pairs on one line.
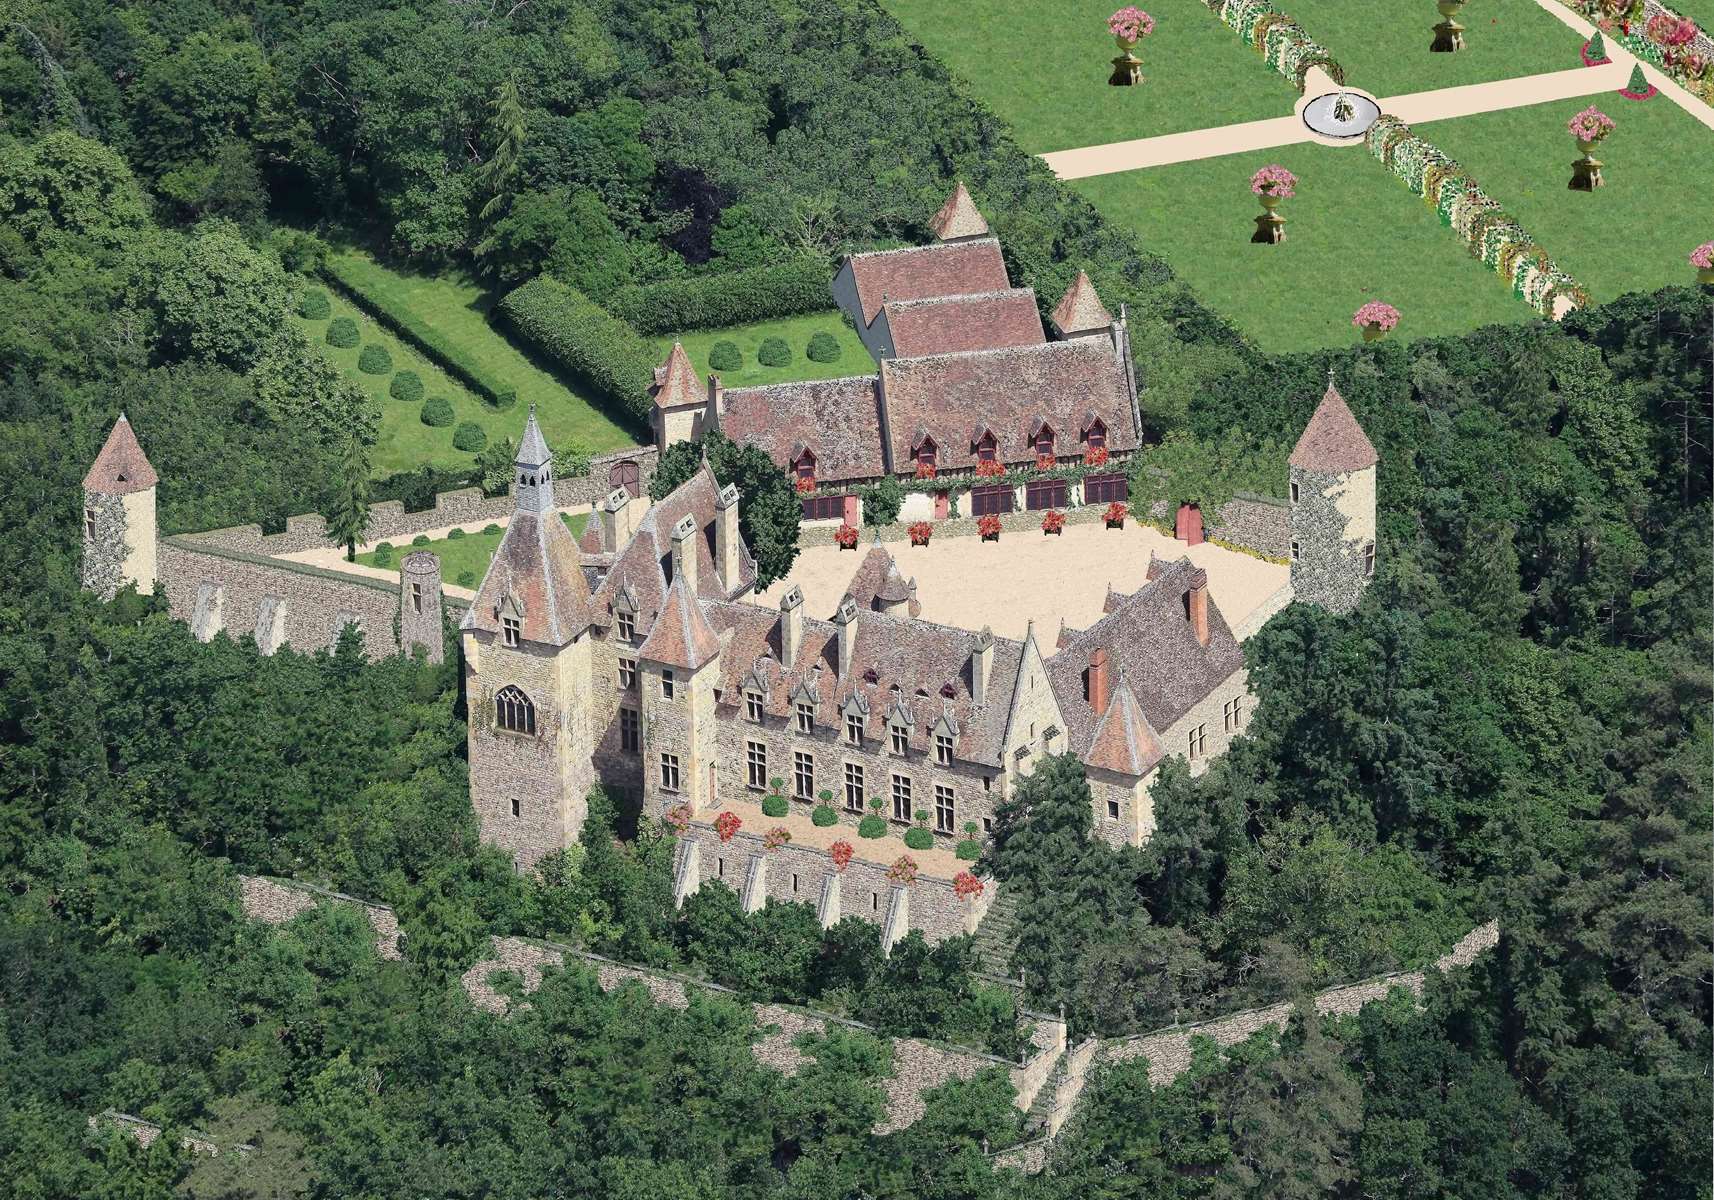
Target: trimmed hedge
[[871, 826], [725, 356], [786, 289], [453, 534], [774, 806], [407, 386], [343, 333], [773, 352], [375, 360], [422, 539], [314, 305], [573, 332], [437, 411], [469, 437], [823, 816], [823, 347], [919, 839]]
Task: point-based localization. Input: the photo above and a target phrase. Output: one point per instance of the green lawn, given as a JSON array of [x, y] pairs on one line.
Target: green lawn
[[1384, 48], [1700, 11], [404, 442], [467, 555], [853, 358], [1633, 234], [1354, 233], [456, 309], [1043, 68]]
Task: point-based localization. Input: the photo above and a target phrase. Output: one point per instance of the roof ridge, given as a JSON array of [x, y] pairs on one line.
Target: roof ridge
[[929, 246], [955, 297], [1076, 346]]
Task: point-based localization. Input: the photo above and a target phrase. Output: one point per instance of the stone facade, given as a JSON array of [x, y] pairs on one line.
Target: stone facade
[[1332, 537], [148, 1133], [1259, 524], [276, 901], [420, 619], [119, 542]]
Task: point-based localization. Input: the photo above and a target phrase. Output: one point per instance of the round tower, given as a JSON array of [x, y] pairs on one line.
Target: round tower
[[419, 605], [119, 516], [1332, 507]]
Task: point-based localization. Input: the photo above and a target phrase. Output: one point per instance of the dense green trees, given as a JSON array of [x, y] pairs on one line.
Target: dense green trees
[[769, 509]]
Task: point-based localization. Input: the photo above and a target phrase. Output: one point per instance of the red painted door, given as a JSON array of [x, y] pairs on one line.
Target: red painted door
[[1189, 524]]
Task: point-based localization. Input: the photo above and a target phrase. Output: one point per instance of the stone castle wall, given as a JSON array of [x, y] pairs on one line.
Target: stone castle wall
[[274, 902], [147, 1133], [1331, 524], [1258, 524]]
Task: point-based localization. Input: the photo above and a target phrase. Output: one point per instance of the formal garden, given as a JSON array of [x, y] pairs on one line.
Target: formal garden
[[783, 350], [464, 555]]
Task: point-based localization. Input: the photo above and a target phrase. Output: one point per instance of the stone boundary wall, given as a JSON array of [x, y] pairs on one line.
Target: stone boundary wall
[[147, 1133], [276, 901], [388, 518], [1264, 612], [1028, 1158], [1260, 525], [1071, 1079]]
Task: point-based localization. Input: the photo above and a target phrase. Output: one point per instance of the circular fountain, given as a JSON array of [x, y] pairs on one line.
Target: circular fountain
[[1343, 115]]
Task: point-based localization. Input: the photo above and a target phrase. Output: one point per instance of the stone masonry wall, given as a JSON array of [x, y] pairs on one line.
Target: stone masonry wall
[[103, 554], [274, 902], [147, 1133], [1332, 522], [1259, 524]]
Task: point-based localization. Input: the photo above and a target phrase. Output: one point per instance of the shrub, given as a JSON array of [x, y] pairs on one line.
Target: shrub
[[437, 411], [504, 398], [785, 289], [469, 437], [882, 501], [491, 528], [467, 579], [573, 332], [919, 839], [969, 850], [824, 816], [823, 347], [775, 806], [452, 535], [920, 532], [774, 352], [314, 305], [422, 539], [871, 826], [343, 333], [725, 356], [375, 360], [384, 554], [406, 385], [846, 535], [988, 526]]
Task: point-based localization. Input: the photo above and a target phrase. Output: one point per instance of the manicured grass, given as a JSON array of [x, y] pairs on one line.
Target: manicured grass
[[1633, 234], [456, 309], [468, 553], [853, 358], [1354, 233], [1043, 68], [1384, 47], [1700, 11]]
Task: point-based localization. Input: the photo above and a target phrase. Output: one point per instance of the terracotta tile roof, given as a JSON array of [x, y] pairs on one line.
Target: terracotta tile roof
[[676, 382], [121, 467], [958, 217], [1152, 648], [949, 396], [680, 636], [1333, 441], [877, 575], [537, 572], [838, 419], [978, 321], [1080, 309], [918, 272], [1123, 741]]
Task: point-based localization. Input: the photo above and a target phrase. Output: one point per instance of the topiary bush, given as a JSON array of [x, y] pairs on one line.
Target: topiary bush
[[467, 579], [452, 535], [469, 437], [725, 356], [375, 360], [491, 528], [406, 385], [919, 839], [774, 352], [969, 850], [824, 816], [871, 826], [422, 539], [437, 410], [823, 347], [384, 554], [505, 398], [314, 305], [774, 806], [343, 333]]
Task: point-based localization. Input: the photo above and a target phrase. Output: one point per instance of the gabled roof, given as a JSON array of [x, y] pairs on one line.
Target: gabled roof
[[875, 575], [977, 321], [1333, 442], [958, 217], [1123, 741], [1080, 309], [918, 272], [681, 636], [537, 570], [838, 419], [676, 382], [121, 467]]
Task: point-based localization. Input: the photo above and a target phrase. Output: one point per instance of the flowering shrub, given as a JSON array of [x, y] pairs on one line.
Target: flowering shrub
[[1274, 180], [1277, 38], [727, 824], [1095, 456], [920, 532], [903, 873], [1665, 42], [1703, 256], [1590, 125], [1131, 23], [990, 467], [840, 852], [804, 485], [776, 837], [966, 886], [925, 470], [1052, 521], [1667, 30], [1376, 312], [678, 817], [846, 535], [1116, 512], [988, 526], [1046, 462]]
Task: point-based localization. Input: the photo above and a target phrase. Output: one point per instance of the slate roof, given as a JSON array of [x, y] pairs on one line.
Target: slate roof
[[680, 636], [1080, 309], [838, 419], [121, 467], [948, 396], [978, 321], [539, 570], [532, 447], [958, 217], [1152, 649], [918, 272], [878, 578], [1333, 442], [1123, 740], [676, 382]]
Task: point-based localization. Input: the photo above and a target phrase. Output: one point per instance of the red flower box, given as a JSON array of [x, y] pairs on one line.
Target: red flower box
[[902, 873], [840, 852], [678, 816], [805, 485], [727, 824], [1095, 456], [846, 537], [988, 527], [925, 470], [1046, 462], [966, 886], [987, 468], [776, 837], [1116, 514], [1052, 521], [920, 532]]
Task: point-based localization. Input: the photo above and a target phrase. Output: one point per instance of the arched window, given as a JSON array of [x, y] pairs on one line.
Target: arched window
[[513, 711]]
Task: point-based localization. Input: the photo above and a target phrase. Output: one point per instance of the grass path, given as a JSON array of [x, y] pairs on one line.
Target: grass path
[[463, 559], [853, 358]]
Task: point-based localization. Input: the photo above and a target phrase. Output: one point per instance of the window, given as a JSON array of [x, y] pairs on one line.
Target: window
[[803, 775], [794, 883], [513, 711], [1103, 489], [416, 598], [627, 673], [987, 824], [901, 735], [806, 466], [854, 728], [517, 809], [942, 808], [669, 772], [1294, 491], [667, 685], [853, 787], [1097, 435], [985, 448], [943, 749], [1295, 551], [1368, 559], [1198, 739], [720, 868], [901, 797], [753, 706], [630, 730], [510, 630], [1044, 441], [1234, 713], [823, 508], [805, 717], [926, 454], [628, 626], [756, 764], [1112, 810], [89, 523]]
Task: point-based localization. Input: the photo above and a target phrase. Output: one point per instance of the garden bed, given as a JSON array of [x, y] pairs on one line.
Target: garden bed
[[795, 332]]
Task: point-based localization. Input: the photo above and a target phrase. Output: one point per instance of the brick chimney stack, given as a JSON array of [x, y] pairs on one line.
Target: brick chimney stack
[[684, 552], [1197, 604], [791, 626], [846, 619], [1097, 687], [612, 512], [981, 665], [726, 536]]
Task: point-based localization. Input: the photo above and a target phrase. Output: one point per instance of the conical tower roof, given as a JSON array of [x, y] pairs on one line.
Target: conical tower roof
[[894, 588], [533, 447], [1124, 741], [1080, 309], [958, 217], [121, 467], [1333, 442], [681, 636], [675, 380]]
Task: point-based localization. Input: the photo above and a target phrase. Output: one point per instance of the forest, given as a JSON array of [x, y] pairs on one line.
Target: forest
[[1513, 725]]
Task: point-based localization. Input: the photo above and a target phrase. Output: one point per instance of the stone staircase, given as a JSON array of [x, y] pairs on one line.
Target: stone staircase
[[997, 935]]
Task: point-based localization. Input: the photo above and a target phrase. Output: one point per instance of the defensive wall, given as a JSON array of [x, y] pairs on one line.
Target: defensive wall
[[147, 1133]]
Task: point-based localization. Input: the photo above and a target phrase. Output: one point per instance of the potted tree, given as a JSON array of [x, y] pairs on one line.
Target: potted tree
[[774, 803], [872, 826], [970, 849], [917, 837], [824, 815]]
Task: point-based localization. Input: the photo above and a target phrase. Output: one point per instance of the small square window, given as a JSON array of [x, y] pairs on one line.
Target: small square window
[[517, 808], [987, 824], [627, 673], [1113, 810], [668, 685], [1294, 491], [1296, 551]]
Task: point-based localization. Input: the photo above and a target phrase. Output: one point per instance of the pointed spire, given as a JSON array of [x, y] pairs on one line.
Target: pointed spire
[[533, 447], [1124, 741], [894, 589], [958, 218], [676, 382], [532, 491], [681, 636], [1333, 442], [1080, 310], [121, 467]]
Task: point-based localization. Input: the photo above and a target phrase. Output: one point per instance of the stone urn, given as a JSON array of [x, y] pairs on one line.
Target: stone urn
[[1705, 276], [1270, 226], [1586, 171], [1127, 67], [1373, 331], [1449, 34]]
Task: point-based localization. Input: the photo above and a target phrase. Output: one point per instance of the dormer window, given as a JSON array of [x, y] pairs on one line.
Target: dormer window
[[1096, 438], [805, 717], [943, 749], [627, 626], [927, 454], [805, 466], [901, 738], [753, 706], [986, 448], [511, 629], [854, 728], [1044, 442]]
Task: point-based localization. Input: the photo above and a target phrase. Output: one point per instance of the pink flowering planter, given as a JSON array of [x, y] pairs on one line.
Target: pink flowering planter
[[1376, 319], [1128, 26], [1702, 258]]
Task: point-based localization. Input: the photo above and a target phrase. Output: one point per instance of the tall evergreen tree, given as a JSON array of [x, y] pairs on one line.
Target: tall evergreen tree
[[349, 514]]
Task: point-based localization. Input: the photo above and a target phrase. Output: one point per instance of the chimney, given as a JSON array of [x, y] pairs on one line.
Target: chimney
[[613, 531], [1196, 604], [791, 626], [716, 401], [846, 619], [981, 665], [1096, 687], [684, 552], [726, 535]]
